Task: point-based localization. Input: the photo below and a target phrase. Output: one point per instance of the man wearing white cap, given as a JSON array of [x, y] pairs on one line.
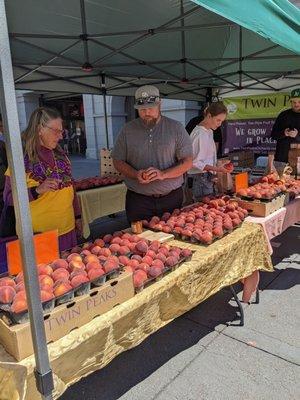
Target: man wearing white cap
[[152, 152], [286, 129]]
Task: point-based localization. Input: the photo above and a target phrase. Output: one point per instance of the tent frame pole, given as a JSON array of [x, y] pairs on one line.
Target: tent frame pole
[[103, 89], [240, 57], [43, 373]]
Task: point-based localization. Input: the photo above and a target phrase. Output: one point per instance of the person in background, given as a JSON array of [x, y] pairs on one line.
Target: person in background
[[217, 132], [204, 151], [53, 202], [66, 141], [286, 129], [152, 152]]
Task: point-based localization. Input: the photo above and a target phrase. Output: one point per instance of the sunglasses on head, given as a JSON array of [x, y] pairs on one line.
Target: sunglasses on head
[[147, 100]]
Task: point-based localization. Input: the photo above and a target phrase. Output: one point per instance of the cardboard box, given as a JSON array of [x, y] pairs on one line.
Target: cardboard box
[[63, 319], [106, 164], [294, 156], [257, 208]]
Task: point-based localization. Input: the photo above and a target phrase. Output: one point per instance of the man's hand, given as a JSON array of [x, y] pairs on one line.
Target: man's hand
[[142, 177], [291, 132], [49, 185], [154, 174]]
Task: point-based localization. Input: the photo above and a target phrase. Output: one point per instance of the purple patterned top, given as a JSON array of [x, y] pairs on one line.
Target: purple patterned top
[[52, 164]]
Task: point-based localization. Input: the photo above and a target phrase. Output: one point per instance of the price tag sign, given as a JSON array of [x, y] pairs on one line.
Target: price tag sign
[[241, 181], [46, 250]]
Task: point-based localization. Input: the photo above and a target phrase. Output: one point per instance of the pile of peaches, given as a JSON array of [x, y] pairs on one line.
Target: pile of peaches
[[202, 222], [269, 187], [96, 181], [93, 263]]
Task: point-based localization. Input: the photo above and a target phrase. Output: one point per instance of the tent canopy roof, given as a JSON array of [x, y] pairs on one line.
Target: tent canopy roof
[[180, 46]]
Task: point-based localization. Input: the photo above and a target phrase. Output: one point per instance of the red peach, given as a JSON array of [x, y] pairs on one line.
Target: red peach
[[59, 263], [107, 238], [61, 288], [143, 266], [60, 273], [137, 257], [76, 264], [74, 257], [99, 242], [78, 280], [19, 306], [95, 249], [114, 248], [110, 266], [85, 253], [124, 250], [92, 264], [151, 254], [46, 279], [7, 293], [158, 263], [79, 272], [6, 281], [142, 247], [186, 253], [20, 286], [148, 260], [132, 247], [102, 259], [123, 260], [95, 273], [139, 278], [21, 295], [161, 257], [116, 240], [155, 271], [46, 296], [90, 258], [104, 252], [133, 263], [44, 269], [134, 239]]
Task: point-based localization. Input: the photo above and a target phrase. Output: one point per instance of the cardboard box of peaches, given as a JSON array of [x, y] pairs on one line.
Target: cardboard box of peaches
[[85, 283]]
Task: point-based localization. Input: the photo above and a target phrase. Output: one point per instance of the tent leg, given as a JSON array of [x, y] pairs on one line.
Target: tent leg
[[103, 86], [21, 205]]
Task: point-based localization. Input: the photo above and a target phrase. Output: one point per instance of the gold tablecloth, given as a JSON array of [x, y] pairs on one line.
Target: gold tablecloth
[[96, 203], [94, 345]]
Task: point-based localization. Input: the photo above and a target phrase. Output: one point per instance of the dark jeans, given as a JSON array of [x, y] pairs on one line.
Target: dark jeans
[[139, 206]]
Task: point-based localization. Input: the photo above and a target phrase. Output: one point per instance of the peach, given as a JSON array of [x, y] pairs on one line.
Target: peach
[[151, 254], [74, 257], [114, 259], [60, 273], [158, 263], [47, 288], [142, 247], [20, 286], [125, 242], [137, 257], [7, 293], [90, 258], [134, 238], [126, 236], [218, 231], [95, 273], [79, 272], [139, 278], [117, 234], [59, 263], [124, 250], [95, 249], [19, 305], [171, 261], [107, 238], [61, 288], [78, 280], [99, 242], [143, 266], [186, 253], [206, 237], [46, 296], [115, 248], [85, 253], [92, 264], [166, 229], [236, 222], [46, 280], [116, 240], [76, 264], [148, 260], [132, 247], [21, 295], [110, 266], [104, 252], [76, 249], [161, 257], [133, 263], [164, 251], [6, 281], [44, 269], [155, 271], [123, 260]]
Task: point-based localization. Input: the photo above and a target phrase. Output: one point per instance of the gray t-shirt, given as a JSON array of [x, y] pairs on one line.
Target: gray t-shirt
[[161, 146]]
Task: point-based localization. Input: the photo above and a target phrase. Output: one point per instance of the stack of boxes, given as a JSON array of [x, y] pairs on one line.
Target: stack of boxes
[[294, 158]]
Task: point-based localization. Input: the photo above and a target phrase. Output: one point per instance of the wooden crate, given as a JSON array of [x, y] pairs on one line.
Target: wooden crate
[[106, 164], [257, 208]]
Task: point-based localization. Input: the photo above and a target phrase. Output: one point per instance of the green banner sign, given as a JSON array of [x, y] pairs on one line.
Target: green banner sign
[[256, 107]]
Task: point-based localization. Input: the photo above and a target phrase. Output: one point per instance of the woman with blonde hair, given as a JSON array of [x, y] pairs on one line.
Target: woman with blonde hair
[[204, 151], [53, 201]]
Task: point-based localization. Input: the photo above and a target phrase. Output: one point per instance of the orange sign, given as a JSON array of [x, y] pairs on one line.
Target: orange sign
[[46, 250], [241, 181]]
